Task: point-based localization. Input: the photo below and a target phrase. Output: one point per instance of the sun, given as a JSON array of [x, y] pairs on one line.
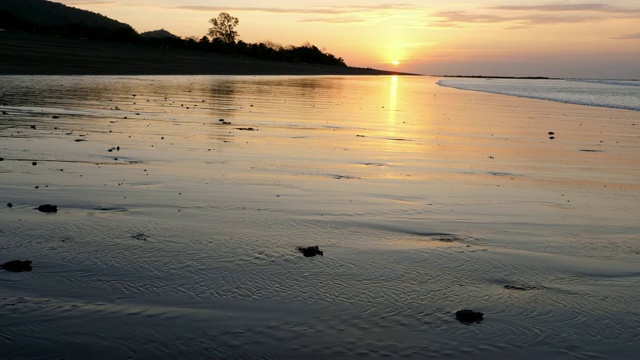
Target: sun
[[395, 62]]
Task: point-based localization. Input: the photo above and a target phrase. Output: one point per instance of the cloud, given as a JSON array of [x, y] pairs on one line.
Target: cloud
[[89, 2], [323, 14], [602, 8], [317, 10], [523, 16], [336, 19], [634, 36]]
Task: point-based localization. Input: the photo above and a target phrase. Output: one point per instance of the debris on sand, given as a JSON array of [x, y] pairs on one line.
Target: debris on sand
[[140, 236], [17, 265], [48, 208], [469, 316], [310, 251], [247, 129]]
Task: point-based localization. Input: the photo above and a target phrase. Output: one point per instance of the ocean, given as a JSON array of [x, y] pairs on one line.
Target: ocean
[[182, 202], [617, 94]]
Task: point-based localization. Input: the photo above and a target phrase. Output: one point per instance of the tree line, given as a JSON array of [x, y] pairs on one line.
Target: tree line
[[221, 39]]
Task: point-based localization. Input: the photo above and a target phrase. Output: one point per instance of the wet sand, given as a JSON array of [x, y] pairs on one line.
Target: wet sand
[[33, 55], [177, 234]]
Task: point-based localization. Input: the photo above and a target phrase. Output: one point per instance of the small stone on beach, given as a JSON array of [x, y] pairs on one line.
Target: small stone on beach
[[310, 251], [140, 236], [17, 265], [9, 205], [469, 316], [514, 287], [47, 208]]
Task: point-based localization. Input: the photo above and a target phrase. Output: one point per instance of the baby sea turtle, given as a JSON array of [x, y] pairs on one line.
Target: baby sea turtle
[[17, 265], [310, 251]]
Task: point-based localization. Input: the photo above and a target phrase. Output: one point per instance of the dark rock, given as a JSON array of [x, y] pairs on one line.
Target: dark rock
[[17, 265], [47, 208], [310, 251], [55, 117], [246, 129], [469, 316], [10, 205], [33, 126], [140, 236], [551, 133], [514, 287], [34, 163]]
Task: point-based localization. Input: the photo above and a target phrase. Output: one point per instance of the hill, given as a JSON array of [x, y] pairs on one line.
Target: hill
[[158, 34], [47, 13]]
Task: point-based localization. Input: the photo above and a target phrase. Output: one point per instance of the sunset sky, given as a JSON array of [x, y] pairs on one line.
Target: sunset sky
[[484, 37]]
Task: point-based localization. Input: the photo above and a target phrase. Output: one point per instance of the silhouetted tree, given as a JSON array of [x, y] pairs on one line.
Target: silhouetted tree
[[223, 28]]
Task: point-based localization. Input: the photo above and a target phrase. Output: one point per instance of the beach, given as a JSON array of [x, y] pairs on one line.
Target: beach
[[182, 200]]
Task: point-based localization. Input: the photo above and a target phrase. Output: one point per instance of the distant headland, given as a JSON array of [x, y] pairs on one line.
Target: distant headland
[[25, 54]]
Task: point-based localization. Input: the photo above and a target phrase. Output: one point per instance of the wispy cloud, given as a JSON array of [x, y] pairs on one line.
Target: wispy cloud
[[89, 2], [334, 10], [522, 16], [634, 36], [601, 8], [333, 14]]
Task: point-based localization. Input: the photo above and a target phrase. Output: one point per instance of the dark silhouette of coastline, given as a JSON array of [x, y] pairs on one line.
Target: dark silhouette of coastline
[[26, 54], [44, 37]]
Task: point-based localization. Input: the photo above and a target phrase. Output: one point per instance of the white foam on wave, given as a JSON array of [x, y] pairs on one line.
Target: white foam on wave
[[601, 93]]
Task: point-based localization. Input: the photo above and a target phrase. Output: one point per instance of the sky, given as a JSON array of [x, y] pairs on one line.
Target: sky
[[554, 38]]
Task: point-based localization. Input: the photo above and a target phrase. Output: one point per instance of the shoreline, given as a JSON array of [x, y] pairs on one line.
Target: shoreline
[[25, 54], [579, 95]]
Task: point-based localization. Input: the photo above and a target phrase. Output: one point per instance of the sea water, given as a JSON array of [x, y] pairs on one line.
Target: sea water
[[619, 94], [182, 202]]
